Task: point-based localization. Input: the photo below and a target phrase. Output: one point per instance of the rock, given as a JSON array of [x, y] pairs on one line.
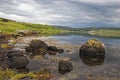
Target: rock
[[38, 47], [18, 62], [13, 53], [2, 54], [60, 50], [52, 48], [92, 52], [52, 52], [92, 47], [65, 67], [35, 32], [17, 59], [28, 49]]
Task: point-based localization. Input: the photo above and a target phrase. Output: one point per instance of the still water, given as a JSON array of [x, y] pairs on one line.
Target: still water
[[107, 68]]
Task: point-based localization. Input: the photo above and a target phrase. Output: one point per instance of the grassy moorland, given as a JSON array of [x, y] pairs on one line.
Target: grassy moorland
[[106, 33], [103, 32], [10, 27]]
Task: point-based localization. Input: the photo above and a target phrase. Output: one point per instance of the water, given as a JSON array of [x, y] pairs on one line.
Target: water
[[101, 68], [108, 69]]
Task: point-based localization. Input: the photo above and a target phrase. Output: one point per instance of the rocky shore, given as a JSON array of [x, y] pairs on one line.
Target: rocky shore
[[57, 58]]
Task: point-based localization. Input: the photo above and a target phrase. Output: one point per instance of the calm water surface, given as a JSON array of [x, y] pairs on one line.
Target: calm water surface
[[108, 69]]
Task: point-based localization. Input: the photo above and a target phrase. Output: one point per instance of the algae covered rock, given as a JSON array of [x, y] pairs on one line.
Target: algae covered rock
[[92, 52]]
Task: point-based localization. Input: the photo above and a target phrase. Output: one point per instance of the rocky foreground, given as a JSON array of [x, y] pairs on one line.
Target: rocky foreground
[[49, 56]]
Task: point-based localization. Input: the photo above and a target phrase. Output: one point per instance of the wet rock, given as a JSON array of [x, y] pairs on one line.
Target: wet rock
[[53, 50], [18, 62], [22, 70], [37, 47], [2, 54], [92, 47], [28, 49], [60, 50], [13, 53], [65, 67], [92, 52], [17, 59]]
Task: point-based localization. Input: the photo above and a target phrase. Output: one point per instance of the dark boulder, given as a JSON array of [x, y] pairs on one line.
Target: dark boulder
[[2, 54], [60, 50], [92, 52], [65, 67], [38, 47], [16, 59], [53, 50], [13, 53], [18, 62], [28, 49]]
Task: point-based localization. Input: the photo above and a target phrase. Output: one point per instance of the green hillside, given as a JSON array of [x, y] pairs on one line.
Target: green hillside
[[9, 27]]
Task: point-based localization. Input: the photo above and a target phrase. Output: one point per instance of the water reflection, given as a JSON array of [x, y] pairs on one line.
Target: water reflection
[[92, 56], [92, 60]]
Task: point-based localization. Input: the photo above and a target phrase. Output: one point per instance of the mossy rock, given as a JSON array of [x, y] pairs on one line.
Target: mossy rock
[[92, 52]]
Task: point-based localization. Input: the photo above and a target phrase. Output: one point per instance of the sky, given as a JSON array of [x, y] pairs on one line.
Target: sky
[[73, 13]]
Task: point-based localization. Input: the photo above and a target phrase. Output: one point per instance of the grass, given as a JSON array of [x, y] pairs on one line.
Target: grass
[[10, 27], [10, 74]]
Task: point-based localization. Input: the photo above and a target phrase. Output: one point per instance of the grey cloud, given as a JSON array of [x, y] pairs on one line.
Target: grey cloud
[[63, 12]]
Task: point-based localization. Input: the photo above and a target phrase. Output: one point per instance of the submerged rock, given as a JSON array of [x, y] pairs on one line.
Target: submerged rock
[[65, 67], [92, 52]]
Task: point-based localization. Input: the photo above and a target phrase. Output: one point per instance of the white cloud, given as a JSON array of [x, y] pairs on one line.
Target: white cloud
[[12, 16]]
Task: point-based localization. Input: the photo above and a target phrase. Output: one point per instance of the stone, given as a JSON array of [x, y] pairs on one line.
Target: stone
[[52, 52], [13, 53], [60, 50], [28, 49], [16, 59], [92, 52], [18, 62], [52, 48], [38, 47], [2, 54], [65, 67]]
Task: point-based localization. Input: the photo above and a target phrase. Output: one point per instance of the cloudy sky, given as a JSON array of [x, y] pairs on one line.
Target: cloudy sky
[[75, 13]]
